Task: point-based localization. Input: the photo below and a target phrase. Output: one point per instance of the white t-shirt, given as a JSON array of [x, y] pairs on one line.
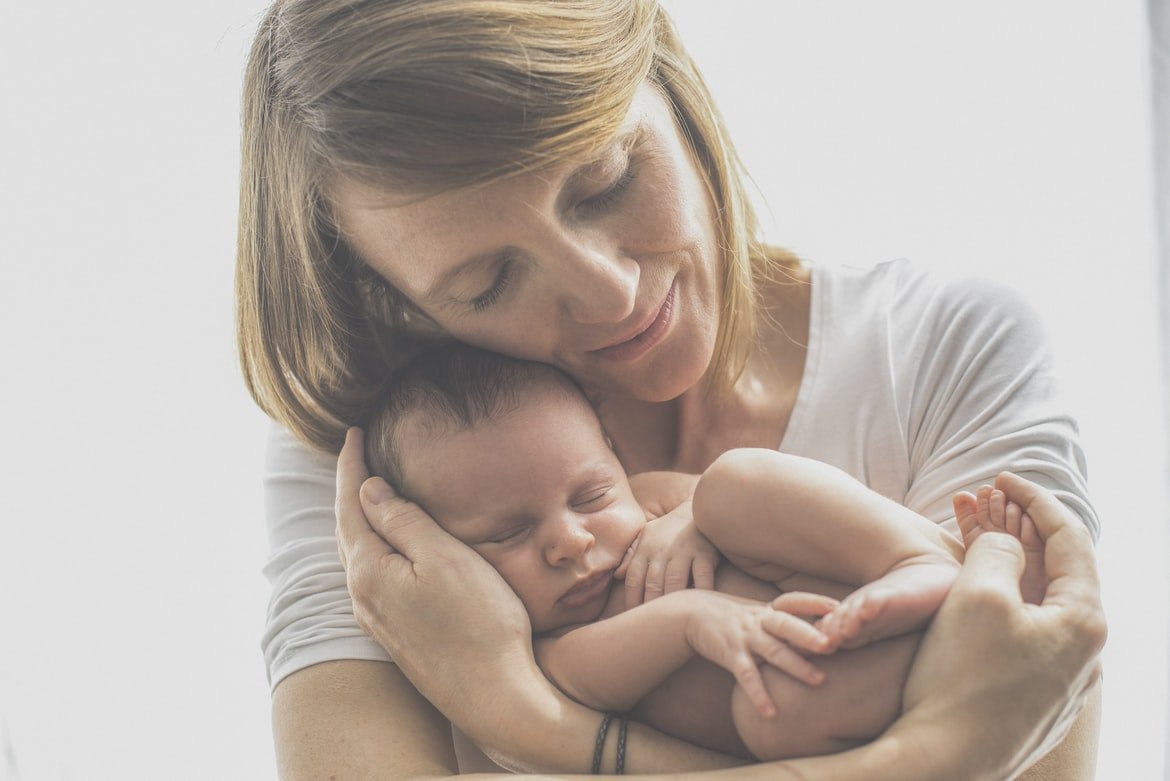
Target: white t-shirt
[[916, 385]]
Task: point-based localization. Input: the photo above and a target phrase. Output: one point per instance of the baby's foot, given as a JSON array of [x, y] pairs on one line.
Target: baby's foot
[[990, 511], [900, 601]]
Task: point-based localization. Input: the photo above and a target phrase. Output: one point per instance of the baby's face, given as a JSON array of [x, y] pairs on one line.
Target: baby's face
[[538, 493]]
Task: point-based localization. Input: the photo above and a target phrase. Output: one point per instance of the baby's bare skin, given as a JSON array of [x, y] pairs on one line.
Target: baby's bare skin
[[990, 511], [860, 695]]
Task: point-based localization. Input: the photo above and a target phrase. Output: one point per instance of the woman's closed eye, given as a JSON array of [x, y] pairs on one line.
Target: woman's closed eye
[[595, 204], [500, 284]]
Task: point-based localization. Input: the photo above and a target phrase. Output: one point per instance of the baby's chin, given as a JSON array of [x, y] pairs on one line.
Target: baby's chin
[[562, 621]]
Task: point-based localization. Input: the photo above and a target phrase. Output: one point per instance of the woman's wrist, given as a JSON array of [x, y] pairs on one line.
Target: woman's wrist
[[527, 725], [532, 727]]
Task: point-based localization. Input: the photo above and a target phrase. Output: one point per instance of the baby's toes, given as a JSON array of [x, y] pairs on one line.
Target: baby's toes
[[1013, 519], [967, 515], [1030, 537], [997, 504], [853, 617], [983, 500], [829, 625]]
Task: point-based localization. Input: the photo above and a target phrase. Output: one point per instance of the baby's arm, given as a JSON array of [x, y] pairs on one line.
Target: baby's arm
[[613, 663], [775, 515]]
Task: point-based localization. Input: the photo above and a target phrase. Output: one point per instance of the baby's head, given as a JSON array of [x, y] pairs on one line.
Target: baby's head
[[509, 457]]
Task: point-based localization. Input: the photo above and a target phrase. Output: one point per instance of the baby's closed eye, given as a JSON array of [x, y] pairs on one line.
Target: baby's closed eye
[[594, 499]]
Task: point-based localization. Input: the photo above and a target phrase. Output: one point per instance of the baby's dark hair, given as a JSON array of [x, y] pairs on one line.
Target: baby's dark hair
[[453, 385]]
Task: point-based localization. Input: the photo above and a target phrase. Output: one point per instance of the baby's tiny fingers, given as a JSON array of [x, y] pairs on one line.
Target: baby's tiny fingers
[[703, 571], [1012, 515], [635, 582], [783, 658], [747, 674], [789, 628], [620, 572], [804, 603], [655, 578], [678, 575]]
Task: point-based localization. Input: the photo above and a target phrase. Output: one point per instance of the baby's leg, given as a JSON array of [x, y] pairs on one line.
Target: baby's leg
[[768, 511], [990, 511], [861, 696]]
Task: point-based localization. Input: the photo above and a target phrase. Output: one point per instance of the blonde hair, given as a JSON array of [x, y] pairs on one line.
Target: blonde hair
[[420, 97]]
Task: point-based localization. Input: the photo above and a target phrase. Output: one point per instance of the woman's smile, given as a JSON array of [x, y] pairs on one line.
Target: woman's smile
[[607, 269], [646, 337]]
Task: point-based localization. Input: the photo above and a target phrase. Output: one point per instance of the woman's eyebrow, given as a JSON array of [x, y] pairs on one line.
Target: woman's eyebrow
[[623, 142]]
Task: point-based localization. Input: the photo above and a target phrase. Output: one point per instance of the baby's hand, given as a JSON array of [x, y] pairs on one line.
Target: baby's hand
[[734, 633], [666, 557]]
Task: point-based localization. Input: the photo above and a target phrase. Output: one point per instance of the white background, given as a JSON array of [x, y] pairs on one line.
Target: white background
[[1009, 139]]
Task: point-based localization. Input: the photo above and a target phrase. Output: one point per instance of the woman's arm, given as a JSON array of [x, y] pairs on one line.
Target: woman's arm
[[356, 719]]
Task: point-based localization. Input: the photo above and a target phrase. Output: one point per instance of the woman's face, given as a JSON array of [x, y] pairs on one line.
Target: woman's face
[[605, 268]]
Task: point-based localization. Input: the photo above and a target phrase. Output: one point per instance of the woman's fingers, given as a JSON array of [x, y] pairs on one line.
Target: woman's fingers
[[353, 528], [1069, 560], [994, 563], [407, 528]]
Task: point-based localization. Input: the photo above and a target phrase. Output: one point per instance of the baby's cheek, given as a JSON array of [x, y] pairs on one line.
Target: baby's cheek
[[530, 586]]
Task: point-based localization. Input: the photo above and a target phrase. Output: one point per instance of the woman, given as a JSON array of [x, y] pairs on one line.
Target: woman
[[550, 180]]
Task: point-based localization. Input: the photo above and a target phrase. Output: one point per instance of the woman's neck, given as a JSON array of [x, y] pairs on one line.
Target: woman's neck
[[688, 433]]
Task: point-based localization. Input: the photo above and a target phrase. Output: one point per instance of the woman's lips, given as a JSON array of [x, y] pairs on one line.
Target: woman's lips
[[638, 345], [588, 590]]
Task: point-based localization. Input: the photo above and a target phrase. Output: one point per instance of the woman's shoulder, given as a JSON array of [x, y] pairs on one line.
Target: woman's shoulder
[[285, 454], [914, 299]]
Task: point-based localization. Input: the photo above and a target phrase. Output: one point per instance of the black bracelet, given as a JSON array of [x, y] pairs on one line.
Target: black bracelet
[[600, 747], [621, 758]]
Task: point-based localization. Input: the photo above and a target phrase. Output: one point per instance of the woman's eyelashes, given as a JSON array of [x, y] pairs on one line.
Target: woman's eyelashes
[[595, 204], [498, 286]]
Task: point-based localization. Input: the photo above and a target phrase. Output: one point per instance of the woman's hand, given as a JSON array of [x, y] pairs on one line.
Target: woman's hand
[[994, 669], [447, 618]]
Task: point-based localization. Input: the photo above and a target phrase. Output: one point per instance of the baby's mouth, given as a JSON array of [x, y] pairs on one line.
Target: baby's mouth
[[588, 588]]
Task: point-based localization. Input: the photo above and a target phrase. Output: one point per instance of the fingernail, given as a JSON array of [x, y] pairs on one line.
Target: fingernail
[[376, 490]]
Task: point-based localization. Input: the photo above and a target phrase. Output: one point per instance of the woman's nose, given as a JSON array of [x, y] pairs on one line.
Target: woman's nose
[[567, 540], [599, 284]]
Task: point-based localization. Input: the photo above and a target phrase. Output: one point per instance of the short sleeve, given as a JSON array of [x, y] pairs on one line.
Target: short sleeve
[[310, 616], [922, 385], [983, 398]]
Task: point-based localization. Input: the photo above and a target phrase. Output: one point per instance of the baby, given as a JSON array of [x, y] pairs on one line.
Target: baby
[[510, 458]]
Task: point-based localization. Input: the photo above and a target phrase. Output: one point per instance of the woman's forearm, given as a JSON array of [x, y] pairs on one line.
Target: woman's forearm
[[353, 719]]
